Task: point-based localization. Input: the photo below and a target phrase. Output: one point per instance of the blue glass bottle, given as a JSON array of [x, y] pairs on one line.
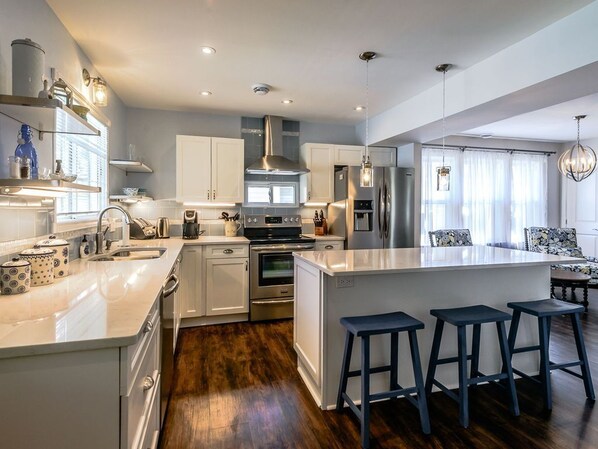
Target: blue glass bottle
[[25, 148]]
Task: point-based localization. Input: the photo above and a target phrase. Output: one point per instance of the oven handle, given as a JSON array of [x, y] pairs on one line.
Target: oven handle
[[280, 249], [272, 301]]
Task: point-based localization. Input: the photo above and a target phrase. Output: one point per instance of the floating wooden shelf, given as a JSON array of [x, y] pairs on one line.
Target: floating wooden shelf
[[12, 186], [42, 115], [130, 166], [130, 198]]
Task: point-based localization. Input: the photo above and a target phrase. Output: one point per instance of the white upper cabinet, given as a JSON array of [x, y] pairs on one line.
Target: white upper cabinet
[[351, 155], [209, 169], [318, 184]]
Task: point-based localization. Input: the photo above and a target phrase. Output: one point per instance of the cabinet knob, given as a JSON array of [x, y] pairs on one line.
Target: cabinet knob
[[148, 327], [328, 247], [148, 383], [228, 251]]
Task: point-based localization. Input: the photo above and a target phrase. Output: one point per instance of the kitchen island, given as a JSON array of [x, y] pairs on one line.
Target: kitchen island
[[333, 284]]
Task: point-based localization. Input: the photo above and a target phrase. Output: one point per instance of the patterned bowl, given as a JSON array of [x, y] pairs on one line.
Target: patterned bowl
[[130, 191]]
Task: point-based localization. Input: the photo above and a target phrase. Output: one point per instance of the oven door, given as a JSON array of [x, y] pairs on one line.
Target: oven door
[[272, 270]]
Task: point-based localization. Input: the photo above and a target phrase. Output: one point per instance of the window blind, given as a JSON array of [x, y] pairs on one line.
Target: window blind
[[86, 157]]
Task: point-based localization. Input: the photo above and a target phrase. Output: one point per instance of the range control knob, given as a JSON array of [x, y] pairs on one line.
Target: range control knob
[[286, 220], [297, 219]]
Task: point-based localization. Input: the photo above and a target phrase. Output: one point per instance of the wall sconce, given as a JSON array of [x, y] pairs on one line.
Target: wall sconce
[[99, 92]]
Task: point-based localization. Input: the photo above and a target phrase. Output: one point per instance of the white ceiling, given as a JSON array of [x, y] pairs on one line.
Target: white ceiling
[[555, 123], [307, 50]]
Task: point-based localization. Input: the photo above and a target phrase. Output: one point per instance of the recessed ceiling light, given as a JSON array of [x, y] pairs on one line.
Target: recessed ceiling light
[[205, 93], [208, 50], [486, 136], [359, 108], [286, 101]]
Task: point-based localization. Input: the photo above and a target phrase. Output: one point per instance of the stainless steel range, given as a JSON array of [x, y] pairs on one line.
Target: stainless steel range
[[273, 238]]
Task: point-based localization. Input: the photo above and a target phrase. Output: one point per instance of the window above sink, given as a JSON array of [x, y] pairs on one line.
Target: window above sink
[[271, 194]]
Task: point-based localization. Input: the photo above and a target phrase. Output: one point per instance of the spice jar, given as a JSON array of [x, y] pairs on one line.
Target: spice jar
[[15, 277], [25, 168], [14, 167]]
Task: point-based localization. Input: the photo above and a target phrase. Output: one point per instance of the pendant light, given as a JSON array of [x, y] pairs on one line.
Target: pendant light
[[578, 162], [443, 173], [366, 178]]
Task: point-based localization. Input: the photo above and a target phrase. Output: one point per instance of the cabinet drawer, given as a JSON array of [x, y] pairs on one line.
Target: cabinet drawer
[[329, 245], [136, 408], [152, 427], [221, 251], [131, 356]]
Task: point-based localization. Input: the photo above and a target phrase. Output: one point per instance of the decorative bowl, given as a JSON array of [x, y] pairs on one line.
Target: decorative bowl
[[69, 178], [81, 111], [130, 191]]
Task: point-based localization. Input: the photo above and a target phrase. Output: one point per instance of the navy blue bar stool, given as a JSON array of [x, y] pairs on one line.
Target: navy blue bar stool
[[461, 317], [544, 310], [364, 327]]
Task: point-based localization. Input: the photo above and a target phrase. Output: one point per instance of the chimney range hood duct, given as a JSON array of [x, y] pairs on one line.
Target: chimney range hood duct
[[273, 162]]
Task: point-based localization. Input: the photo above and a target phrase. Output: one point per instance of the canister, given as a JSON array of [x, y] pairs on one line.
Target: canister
[[61, 257], [15, 276], [42, 265], [27, 67]]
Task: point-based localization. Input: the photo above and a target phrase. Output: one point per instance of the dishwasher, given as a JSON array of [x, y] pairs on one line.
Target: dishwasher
[[170, 322]]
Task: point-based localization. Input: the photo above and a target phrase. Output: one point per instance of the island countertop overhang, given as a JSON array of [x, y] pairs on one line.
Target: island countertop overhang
[[424, 259]]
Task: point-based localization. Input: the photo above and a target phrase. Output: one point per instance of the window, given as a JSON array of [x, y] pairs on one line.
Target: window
[[270, 194], [494, 194], [86, 157]]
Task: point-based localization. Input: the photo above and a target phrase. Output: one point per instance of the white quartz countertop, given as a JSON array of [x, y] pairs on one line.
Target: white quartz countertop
[[325, 237], [99, 305], [404, 260]]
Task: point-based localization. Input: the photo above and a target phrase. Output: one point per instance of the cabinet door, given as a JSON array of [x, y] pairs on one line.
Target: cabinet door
[[190, 292], [318, 184], [227, 286], [228, 170], [348, 155], [383, 157], [193, 164]]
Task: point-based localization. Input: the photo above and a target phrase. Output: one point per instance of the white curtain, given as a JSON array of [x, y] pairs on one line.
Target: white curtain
[[494, 194]]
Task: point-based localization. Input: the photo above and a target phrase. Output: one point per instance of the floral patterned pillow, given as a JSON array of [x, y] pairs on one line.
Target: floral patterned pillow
[[563, 237]]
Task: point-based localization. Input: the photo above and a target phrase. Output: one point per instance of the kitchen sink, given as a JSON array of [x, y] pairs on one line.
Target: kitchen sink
[[130, 253]]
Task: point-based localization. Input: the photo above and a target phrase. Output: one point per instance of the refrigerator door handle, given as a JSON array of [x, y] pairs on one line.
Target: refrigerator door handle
[[379, 213], [387, 210]]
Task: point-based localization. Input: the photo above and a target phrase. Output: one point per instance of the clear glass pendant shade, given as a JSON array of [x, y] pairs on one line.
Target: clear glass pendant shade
[[365, 174], [443, 178]]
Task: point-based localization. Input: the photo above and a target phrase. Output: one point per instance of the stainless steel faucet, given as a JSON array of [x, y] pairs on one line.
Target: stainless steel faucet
[[100, 234]]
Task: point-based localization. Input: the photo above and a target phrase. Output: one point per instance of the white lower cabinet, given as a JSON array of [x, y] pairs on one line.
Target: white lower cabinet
[[214, 282], [190, 290], [329, 245], [227, 279], [92, 399]]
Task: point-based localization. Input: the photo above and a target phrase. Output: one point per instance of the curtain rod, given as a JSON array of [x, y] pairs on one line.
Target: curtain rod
[[473, 147]]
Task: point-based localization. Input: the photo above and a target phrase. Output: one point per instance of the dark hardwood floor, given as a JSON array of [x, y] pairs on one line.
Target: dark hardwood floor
[[236, 386]]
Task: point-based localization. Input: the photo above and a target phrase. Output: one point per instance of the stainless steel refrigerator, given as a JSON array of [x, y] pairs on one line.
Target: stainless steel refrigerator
[[378, 217]]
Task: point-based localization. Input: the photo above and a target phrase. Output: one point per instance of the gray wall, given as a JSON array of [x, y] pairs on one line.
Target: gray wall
[[153, 133], [34, 19]]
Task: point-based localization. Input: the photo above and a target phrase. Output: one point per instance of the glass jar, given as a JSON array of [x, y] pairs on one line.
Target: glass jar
[[14, 167]]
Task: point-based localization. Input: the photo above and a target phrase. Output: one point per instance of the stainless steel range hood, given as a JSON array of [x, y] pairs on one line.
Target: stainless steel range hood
[[273, 162]]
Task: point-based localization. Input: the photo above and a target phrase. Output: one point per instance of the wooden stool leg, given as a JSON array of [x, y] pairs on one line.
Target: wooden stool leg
[[563, 292], [552, 289], [434, 356], [585, 297], [342, 387], [544, 363], [419, 383], [394, 361], [463, 391], [583, 357], [475, 351], [506, 362], [365, 392]]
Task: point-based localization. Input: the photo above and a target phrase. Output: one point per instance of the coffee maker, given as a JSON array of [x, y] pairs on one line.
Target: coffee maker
[[190, 224]]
